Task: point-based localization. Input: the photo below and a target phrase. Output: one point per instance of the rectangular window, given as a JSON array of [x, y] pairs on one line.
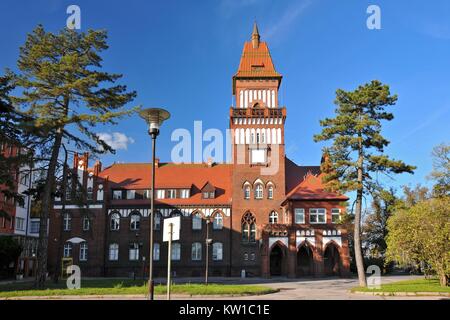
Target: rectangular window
[[90, 194], [134, 252], [205, 195], [335, 215], [176, 251], [212, 195], [217, 251], [159, 194], [117, 194], [196, 251], [34, 227], [86, 224], [20, 224], [156, 251], [185, 193], [299, 215], [171, 193], [317, 215], [83, 251], [131, 194], [113, 252]]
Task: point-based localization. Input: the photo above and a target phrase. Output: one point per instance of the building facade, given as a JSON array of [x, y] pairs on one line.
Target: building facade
[[266, 215]]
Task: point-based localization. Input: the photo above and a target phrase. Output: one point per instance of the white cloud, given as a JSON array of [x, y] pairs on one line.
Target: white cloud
[[116, 140], [288, 17]]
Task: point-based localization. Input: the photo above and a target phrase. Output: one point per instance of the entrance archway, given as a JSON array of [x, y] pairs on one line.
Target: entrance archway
[[305, 262], [331, 260], [276, 261]]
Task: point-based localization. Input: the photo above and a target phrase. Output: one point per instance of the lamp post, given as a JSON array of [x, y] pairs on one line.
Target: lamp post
[[154, 118], [208, 242]]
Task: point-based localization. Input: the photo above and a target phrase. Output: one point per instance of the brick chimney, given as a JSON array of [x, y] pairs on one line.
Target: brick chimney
[[210, 162], [97, 167], [156, 162]]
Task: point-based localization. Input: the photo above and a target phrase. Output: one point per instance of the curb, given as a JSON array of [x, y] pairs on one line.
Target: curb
[[405, 294]]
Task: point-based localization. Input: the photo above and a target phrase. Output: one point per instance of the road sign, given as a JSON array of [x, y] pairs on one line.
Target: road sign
[[176, 223]]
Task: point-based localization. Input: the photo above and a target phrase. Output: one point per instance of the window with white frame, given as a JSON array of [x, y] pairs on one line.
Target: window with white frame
[[117, 194], [171, 193], [273, 217], [67, 222], [247, 192], [185, 193], [135, 221], [299, 215], [114, 221], [196, 253], [67, 250], [157, 221], [20, 224], [113, 252], [160, 194], [259, 192], [86, 223], [218, 221], [133, 253], [335, 215], [217, 254], [270, 192], [156, 251], [131, 194], [317, 215], [196, 221], [83, 251], [176, 251], [34, 226]]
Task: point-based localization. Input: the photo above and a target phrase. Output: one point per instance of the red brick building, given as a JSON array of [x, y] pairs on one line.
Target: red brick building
[[265, 214]]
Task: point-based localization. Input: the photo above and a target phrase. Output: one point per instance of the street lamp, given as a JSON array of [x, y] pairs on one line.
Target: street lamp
[[208, 241], [154, 118]]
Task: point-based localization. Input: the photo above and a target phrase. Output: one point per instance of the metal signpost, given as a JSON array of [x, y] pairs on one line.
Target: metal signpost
[[171, 232]]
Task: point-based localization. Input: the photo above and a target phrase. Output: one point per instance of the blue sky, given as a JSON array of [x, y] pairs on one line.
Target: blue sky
[[182, 54]]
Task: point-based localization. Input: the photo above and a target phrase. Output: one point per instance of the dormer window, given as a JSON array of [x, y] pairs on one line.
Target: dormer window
[[208, 191]]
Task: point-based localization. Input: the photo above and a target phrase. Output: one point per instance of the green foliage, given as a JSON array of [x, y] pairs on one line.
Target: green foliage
[[421, 234], [441, 170], [10, 250], [357, 139]]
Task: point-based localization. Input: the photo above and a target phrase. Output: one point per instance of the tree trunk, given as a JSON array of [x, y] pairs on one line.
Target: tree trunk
[[444, 280], [357, 229], [46, 207]]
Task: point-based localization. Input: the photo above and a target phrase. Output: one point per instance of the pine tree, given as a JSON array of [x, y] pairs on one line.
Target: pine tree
[[67, 94], [357, 150]]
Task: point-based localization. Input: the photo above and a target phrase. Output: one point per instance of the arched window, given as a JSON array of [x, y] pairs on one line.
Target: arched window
[[115, 221], [196, 221], [83, 251], [273, 217], [248, 225], [86, 223], [259, 192], [196, 253], [156, 251], [113, 252], [67, 250], [270, 192], [67, 222], [176, 251], [157, 221], [257, 138], [218, 221], [247, 192], [217, 251], [135, 221]]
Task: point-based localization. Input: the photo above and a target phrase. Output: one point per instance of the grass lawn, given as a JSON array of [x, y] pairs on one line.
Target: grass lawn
[[124, 287], [418, 285]]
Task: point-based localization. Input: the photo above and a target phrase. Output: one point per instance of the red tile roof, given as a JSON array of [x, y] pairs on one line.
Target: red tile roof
[[256, 62], [173, 176], [305, 183]]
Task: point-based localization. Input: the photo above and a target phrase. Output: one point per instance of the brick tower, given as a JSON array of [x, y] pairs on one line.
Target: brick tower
[[257, 125]]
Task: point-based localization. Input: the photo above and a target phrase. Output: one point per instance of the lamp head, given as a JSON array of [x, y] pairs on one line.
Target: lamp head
[[154, 118]]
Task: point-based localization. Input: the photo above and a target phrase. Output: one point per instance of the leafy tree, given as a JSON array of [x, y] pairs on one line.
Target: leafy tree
[[421, 233], [375, 224], [357, 151], [10, 250], [441, 170], [413, 196], [67, 95]]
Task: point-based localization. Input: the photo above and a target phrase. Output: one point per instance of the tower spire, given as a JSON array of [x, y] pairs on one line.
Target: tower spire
[[255, 36]]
